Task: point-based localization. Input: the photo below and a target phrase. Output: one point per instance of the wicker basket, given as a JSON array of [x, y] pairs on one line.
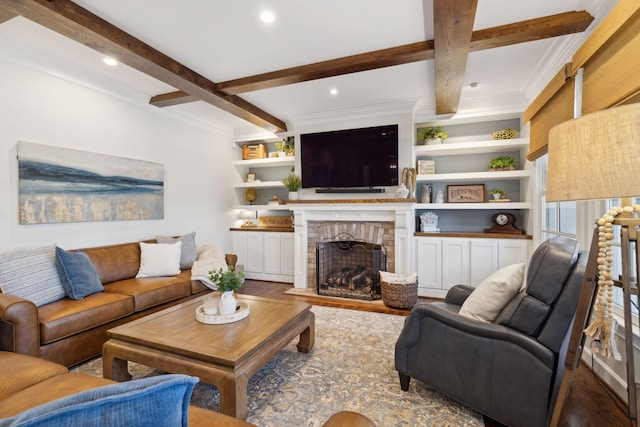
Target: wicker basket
[[399, 295]]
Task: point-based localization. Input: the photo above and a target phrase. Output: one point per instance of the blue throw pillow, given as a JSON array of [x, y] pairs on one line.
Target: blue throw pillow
[[161, 401], [77, 273]]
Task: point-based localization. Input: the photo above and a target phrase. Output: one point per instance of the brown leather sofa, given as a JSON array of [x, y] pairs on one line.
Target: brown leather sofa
[[28, 382], [71, 331]]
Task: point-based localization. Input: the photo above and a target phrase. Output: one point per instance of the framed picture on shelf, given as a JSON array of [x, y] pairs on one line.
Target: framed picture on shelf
[[251, 177], [426, 167], [467, 193]]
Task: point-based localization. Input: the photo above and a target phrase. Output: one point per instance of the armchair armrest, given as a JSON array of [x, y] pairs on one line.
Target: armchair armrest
[[458, 294], [19, 328], [477, 329], [231, 260]]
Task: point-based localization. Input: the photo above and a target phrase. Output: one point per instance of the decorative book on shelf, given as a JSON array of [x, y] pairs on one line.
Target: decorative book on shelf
[[275, 222]]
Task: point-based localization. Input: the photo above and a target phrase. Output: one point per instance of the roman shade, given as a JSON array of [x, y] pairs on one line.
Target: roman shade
[[610, 66]]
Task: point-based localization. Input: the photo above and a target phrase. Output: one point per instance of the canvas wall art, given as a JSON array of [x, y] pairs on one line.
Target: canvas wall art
[[64, 185]]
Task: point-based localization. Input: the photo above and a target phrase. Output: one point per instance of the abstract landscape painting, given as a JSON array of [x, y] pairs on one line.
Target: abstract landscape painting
[[64, 185]]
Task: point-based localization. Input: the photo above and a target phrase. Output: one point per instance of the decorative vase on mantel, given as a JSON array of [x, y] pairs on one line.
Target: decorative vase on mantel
[[293, 195], [433, 141], [227, 304]]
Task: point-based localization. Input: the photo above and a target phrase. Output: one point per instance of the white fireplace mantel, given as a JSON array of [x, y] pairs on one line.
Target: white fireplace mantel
[[401, 214]]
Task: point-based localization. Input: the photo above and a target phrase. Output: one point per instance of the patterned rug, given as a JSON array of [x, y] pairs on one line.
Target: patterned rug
[[349, 368]]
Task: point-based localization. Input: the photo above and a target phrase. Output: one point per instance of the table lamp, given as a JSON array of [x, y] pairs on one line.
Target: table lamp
[[249, 217], [594, 157]]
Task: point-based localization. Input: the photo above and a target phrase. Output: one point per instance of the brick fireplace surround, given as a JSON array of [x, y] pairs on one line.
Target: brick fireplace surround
[[388, 223]]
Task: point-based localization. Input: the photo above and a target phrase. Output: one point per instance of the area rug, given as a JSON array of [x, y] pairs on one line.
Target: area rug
[[350, 368]]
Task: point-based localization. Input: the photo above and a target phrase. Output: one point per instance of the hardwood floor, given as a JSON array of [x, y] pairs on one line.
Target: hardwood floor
[[589, 403]]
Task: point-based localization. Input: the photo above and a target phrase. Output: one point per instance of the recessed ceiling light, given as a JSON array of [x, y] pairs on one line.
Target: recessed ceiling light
[[473, 84], [110, 61], [333, 91], [267, 16]]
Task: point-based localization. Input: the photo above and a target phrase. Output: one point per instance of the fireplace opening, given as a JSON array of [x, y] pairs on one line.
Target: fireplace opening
[[349, 268]]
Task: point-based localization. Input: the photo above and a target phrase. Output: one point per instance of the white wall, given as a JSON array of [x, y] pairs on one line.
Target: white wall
[[38, 106]]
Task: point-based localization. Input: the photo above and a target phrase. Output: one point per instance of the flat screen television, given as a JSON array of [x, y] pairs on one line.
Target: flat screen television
[[353, 159]]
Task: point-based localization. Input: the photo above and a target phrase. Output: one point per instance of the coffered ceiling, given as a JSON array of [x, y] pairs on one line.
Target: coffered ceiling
[[217, 61]]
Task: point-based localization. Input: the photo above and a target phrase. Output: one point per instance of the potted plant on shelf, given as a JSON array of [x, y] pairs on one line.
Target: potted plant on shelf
[[293, 183], [286, 147], [498, 193], [502, 163], [227, 281], [431, 135]]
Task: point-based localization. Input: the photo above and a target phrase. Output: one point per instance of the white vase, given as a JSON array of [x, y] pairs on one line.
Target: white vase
[[227, 303], [497, 196], [293, 195]]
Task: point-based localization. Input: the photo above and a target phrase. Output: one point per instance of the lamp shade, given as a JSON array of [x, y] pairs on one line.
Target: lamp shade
[[594, 156]]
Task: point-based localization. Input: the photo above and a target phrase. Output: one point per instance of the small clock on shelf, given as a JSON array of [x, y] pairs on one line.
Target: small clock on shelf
[[503, 222]]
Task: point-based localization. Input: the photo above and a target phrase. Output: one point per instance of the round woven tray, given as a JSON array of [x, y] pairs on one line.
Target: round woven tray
[[399, 295]]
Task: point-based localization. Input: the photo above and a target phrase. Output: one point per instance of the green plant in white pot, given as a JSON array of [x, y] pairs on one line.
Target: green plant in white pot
[[498, 193], [227, 281], [431, 135], [293, 183]]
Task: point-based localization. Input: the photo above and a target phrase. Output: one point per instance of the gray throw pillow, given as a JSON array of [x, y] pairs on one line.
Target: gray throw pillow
[[188, 255]]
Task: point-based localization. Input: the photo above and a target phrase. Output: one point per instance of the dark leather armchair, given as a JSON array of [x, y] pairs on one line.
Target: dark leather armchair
[[509, 370]]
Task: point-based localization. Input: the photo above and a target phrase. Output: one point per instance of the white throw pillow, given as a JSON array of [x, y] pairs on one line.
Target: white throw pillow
[[490, 297], [159, 259]]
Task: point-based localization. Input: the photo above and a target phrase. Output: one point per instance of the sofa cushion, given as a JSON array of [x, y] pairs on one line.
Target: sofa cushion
[[490, 297], [115, 262], [48, 390], [31, 274], [68, 317], [156, 401], [77, 273], [31, 370], [159, 259], [188, 254], [151, 291]]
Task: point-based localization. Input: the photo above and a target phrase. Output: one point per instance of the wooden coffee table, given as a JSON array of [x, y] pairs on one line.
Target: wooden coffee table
[[227, 355]]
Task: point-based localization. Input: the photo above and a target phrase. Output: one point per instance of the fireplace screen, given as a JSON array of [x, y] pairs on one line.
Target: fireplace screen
[[349, 268]]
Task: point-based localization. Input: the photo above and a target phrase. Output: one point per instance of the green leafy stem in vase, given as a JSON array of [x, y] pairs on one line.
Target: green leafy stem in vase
[[228, 280]]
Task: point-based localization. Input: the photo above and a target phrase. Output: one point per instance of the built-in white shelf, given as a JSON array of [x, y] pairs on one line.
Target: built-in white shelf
[[263, 207], [271, 162], [260, 184], [476, 176], [476, 147], [467, 206]]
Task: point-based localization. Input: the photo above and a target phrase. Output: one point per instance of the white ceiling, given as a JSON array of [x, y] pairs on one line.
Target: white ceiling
[[224, 40]]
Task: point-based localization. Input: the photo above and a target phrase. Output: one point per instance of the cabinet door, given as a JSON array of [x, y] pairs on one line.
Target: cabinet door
[[287, 254], [239, 246], [429, 262], [484, 259], [513, 251], [272, 250], [455, 262], [254, 261]]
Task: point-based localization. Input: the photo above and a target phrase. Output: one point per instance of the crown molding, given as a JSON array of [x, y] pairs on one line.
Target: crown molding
[[51, 65]]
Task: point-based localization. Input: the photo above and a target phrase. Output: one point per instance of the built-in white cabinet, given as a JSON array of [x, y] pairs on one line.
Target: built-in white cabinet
[[266, 255], [266, 177], [443, 262], [463, 160]]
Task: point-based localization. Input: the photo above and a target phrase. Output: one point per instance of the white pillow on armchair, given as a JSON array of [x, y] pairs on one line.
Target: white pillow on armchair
[[490, 297]]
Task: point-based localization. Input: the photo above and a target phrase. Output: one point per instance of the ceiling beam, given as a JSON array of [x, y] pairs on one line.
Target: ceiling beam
[[77, 23], [452, 30], [504, 35], [6, 15]]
